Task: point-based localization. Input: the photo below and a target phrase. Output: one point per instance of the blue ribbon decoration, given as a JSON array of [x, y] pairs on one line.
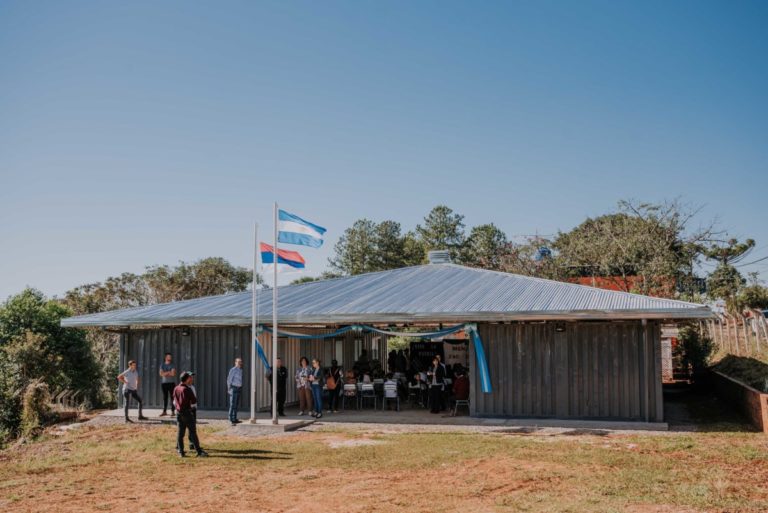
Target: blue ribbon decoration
[[262, 356], [301, 336], [482, 363]]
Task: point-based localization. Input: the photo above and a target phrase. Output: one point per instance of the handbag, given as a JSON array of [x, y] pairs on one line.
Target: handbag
[[330, 382]]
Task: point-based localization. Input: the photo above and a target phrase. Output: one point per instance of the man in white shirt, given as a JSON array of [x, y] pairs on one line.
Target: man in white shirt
[[131, 381], [235, 388]]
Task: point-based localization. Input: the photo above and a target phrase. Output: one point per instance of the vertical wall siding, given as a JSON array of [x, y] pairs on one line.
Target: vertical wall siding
[[148, 349], [210, 353], [589, 370]]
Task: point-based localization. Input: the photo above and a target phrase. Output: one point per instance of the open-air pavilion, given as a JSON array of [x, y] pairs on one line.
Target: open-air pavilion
[[554, 350]]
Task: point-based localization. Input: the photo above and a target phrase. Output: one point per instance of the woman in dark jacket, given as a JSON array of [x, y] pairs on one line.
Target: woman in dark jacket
[[333, 395], [317, 378], [436, 380]]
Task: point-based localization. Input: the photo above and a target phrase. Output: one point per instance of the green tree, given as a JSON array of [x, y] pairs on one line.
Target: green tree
[[643, 247], [34, 347], [486, 247], [305, 279], [414, 252], [443, 229], [753, 295], [389, 246], [369, 247], [207, 277], [695, 349], [29, 318], [355, 251], [529, 259], [726, 281], [125, 291]]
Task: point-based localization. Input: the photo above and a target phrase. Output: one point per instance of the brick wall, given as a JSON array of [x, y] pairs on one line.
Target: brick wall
[[751, 402]]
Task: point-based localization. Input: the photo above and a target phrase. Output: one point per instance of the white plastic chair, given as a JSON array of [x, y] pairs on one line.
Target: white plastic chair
[[367, 391], [350, 393], [390, 394], [460, 402]]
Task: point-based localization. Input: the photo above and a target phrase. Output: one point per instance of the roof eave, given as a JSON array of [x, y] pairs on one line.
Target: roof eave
[[587, 315]]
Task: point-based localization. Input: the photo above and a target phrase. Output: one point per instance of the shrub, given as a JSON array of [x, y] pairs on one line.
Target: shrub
[[36, 408], [695, 349]]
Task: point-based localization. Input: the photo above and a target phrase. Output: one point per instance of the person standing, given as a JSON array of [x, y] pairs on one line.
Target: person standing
[[436, 377], [282, 378], [446, 374], [131, 381], [168, 383], [186, 418], [235, 389], [317, 380], [303, 386], [335, 385], [191, 385], [460, 385]]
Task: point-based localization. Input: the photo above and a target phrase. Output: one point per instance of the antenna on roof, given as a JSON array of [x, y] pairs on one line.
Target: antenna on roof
[[440, 256]]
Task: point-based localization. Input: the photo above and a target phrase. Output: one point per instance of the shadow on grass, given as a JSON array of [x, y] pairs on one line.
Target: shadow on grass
[[520, 430], [592, 432], [247, 454], [249, 451], [570, 432]]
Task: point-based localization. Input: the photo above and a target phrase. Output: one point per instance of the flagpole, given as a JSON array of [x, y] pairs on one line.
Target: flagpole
[[274, 325], [254, 335]]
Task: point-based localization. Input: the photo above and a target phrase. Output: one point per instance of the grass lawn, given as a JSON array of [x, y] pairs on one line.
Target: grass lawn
[[134, 468]]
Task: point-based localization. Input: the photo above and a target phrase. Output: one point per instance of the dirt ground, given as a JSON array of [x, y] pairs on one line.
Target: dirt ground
[[364, 469]]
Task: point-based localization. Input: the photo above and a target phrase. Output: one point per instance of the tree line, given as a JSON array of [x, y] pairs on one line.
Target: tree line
[[647, 248]]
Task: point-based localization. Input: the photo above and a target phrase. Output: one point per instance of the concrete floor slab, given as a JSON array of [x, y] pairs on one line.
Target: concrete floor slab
[[407, 415]]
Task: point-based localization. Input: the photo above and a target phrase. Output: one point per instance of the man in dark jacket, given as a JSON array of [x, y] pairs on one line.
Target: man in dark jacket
[[186, 403], [282, 376]]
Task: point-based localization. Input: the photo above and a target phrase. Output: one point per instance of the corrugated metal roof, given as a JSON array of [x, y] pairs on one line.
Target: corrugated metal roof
[[436, 292]]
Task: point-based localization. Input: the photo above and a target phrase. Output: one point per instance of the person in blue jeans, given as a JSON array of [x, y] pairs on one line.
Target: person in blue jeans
[[317, 379], [235, 388]]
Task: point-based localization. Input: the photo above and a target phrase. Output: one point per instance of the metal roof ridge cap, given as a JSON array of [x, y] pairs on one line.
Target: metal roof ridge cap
[[338, 278]]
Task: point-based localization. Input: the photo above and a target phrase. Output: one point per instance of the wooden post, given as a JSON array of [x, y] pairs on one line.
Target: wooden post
[[762, 322], [713, 333], [734, 342], [736, 332], [722, 337], [748, 349]]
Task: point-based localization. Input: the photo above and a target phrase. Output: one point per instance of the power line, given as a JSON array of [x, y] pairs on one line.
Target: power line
[[753, 262]]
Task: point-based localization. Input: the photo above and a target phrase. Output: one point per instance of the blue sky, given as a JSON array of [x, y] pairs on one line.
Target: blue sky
[[139, 133]]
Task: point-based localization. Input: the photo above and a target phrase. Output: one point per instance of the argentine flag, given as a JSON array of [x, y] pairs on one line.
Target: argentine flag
[[294, 230]]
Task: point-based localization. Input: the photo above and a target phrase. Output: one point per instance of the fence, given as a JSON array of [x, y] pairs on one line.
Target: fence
[[741, 335]]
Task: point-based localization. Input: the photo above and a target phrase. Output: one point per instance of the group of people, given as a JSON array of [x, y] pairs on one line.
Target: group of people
[[311, 381], [435, 379], [182, 397]]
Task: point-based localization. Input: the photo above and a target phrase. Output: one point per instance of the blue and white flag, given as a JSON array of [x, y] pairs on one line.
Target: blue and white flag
[[294, 230]]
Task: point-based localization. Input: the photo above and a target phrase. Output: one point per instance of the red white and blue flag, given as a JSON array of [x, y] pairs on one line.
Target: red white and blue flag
[[286, 260]]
